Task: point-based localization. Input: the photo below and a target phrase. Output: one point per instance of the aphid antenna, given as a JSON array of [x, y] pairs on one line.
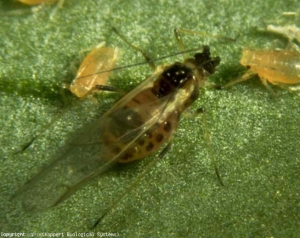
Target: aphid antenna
[[142, 63], [177, 32], [200, 33], [148, 59]]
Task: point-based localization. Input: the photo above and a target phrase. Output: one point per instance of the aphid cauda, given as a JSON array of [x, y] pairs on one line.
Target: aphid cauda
[[135, 127], [278, 67], [98, 60]]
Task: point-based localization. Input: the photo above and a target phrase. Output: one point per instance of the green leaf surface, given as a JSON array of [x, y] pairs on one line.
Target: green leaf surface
[[255, 137]]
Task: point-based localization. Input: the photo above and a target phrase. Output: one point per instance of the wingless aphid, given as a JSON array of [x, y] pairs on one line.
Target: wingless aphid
[[135, 127], [278, 67], [98, 60]]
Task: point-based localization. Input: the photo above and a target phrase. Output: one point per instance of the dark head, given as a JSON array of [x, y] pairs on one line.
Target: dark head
[[204, 60]]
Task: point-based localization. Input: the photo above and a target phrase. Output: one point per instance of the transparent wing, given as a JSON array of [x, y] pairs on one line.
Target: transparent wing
[[85, 157]]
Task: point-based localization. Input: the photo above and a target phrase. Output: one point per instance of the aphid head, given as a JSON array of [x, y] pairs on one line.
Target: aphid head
[[249, 57], [204, 61]]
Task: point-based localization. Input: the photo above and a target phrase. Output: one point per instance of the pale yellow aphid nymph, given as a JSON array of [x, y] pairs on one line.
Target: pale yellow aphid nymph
[[278, 67], [100, 59]]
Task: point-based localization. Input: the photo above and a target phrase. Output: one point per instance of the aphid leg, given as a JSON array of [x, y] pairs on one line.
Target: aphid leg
[[199, 33], [135, 182], [149, 60], [265, 82], [38, 134], [207, 138], [179, 42], [54, 10], [109, 89], [294, 88], [249, 74]]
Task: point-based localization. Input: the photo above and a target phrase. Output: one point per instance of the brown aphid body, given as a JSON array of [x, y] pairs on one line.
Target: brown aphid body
[[135, 127], [149, 115], [100, 59]]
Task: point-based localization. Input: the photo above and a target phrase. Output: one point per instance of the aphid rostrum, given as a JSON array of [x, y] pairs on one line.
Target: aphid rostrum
[[135, 127], [100, 59], [278, 67]]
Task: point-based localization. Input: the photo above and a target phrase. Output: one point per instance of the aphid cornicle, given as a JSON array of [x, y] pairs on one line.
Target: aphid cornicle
[[278, 67], [135, 127], [99, 59]]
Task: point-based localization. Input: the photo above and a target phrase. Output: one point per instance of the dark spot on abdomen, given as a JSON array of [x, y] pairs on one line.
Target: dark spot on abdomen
[[167, 126], [159, 137], [150, 146]]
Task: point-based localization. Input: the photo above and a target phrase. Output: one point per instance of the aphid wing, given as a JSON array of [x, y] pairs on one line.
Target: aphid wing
[[78, 162], [147, 83], [84, 157]]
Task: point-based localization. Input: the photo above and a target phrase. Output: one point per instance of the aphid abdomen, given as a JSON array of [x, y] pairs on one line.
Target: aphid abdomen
[[136, 131], [150, 141], [277, 67]]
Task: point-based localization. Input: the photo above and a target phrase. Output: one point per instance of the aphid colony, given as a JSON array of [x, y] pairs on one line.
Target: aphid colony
[[143, 120]]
